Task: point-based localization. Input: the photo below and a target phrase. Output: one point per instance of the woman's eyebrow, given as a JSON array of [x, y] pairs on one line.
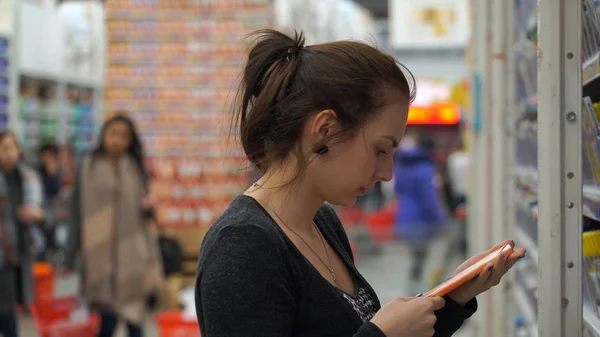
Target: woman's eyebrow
[[391, 139]]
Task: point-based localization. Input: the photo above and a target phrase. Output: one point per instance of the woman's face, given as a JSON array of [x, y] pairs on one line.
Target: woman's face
[[117, 138], [50, 162], [354, 166], [9, 153]]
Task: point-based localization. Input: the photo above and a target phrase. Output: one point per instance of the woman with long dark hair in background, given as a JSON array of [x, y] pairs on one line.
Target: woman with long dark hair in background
[[20, 211], [121, 264]]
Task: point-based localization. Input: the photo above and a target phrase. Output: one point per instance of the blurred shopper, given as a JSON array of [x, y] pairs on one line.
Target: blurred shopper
[[321, 122], [459, 162], [420, 218], [51, 178], [121, 264], [458, 166], [20, 212]]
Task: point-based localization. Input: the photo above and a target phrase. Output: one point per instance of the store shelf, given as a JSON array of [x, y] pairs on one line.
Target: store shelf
[[591, 69], [62, 79], [591, 202], [591, 322], [526, 242], [527, 309]]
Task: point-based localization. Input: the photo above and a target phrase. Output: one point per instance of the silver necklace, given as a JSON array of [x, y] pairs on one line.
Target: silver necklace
[[329, 267]]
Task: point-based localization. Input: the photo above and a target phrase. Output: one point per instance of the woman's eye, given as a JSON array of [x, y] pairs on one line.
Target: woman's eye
[[380, 152]]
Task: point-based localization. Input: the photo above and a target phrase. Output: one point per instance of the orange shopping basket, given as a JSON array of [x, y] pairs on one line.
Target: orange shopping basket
[[172, 324], [381, 224], [43, 276], [51, 318]]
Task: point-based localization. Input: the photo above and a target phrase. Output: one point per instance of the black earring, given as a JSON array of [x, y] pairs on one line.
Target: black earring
[[321, 150]]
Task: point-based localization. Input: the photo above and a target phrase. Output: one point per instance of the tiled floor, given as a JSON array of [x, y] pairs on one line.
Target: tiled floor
[[386, 272]]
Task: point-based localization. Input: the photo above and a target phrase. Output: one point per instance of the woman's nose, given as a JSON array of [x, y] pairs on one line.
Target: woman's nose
[[385, 173]]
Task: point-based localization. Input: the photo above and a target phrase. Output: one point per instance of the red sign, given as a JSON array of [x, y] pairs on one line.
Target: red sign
[[435, 114]]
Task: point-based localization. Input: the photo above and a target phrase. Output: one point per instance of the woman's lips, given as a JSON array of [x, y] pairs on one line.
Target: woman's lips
[[362, 191]]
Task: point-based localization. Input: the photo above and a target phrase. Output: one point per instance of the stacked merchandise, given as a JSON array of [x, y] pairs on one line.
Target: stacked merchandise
[[79, 121], [590, 43], [38, 113], [526, 189], [591, 211], [4, 64], [591, 162], [44, 120], [172, 65]]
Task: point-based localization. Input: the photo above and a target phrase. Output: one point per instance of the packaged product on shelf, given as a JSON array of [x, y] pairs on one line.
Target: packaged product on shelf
[[591, 139], [173, 65], [591, 276], [589, 21]]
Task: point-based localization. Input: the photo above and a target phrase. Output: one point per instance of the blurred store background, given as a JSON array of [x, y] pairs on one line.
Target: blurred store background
[[170, 65]]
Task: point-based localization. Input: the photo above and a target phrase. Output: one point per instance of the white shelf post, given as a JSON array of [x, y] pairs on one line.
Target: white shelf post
[[480, 197], [559, 165], [509, 122], [499, 173], [13, 68]]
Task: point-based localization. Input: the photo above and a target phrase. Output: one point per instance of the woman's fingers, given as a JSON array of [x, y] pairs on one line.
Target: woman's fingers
[[481, 255], [501, 244], [485, 275], [503, 265], [514, 258]]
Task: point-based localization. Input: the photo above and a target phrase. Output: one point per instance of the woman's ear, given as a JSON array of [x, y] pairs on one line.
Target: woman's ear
[[324, 126]]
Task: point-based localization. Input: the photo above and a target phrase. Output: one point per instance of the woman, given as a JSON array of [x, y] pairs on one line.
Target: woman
[[420, 218], [21, 212], [321, 122], [121, 265]]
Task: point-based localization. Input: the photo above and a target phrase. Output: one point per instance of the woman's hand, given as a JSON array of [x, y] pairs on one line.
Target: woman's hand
[[489, 277], [29, 214], [408, 317]]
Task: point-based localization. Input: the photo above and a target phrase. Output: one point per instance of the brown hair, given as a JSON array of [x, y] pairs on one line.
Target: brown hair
[[285, 82], [8, 133]]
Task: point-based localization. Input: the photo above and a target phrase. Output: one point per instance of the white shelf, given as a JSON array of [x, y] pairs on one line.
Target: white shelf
[[588, 66], [591, 322], [591, 194], [48, 76], [526, 242], [527, 176], [527, 310]]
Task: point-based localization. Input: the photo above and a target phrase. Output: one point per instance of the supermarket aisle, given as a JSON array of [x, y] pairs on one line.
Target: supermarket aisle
[[386, 272]]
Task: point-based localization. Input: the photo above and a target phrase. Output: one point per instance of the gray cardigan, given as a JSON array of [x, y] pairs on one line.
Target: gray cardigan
[[253, 281]]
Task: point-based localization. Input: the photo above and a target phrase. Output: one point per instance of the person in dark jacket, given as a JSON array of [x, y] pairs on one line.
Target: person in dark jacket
[[321, 122], [420, 217], [20, 212], [51, 177]]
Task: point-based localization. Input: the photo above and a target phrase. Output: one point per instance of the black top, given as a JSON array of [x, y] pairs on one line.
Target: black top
[[253, 281], [14, 182]]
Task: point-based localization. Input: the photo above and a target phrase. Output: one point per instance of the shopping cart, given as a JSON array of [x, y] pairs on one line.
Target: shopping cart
[[381, 223], [173, 324], [52, 318]]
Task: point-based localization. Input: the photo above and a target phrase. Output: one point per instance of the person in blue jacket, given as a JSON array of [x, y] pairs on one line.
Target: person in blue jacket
[[420, 217]]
